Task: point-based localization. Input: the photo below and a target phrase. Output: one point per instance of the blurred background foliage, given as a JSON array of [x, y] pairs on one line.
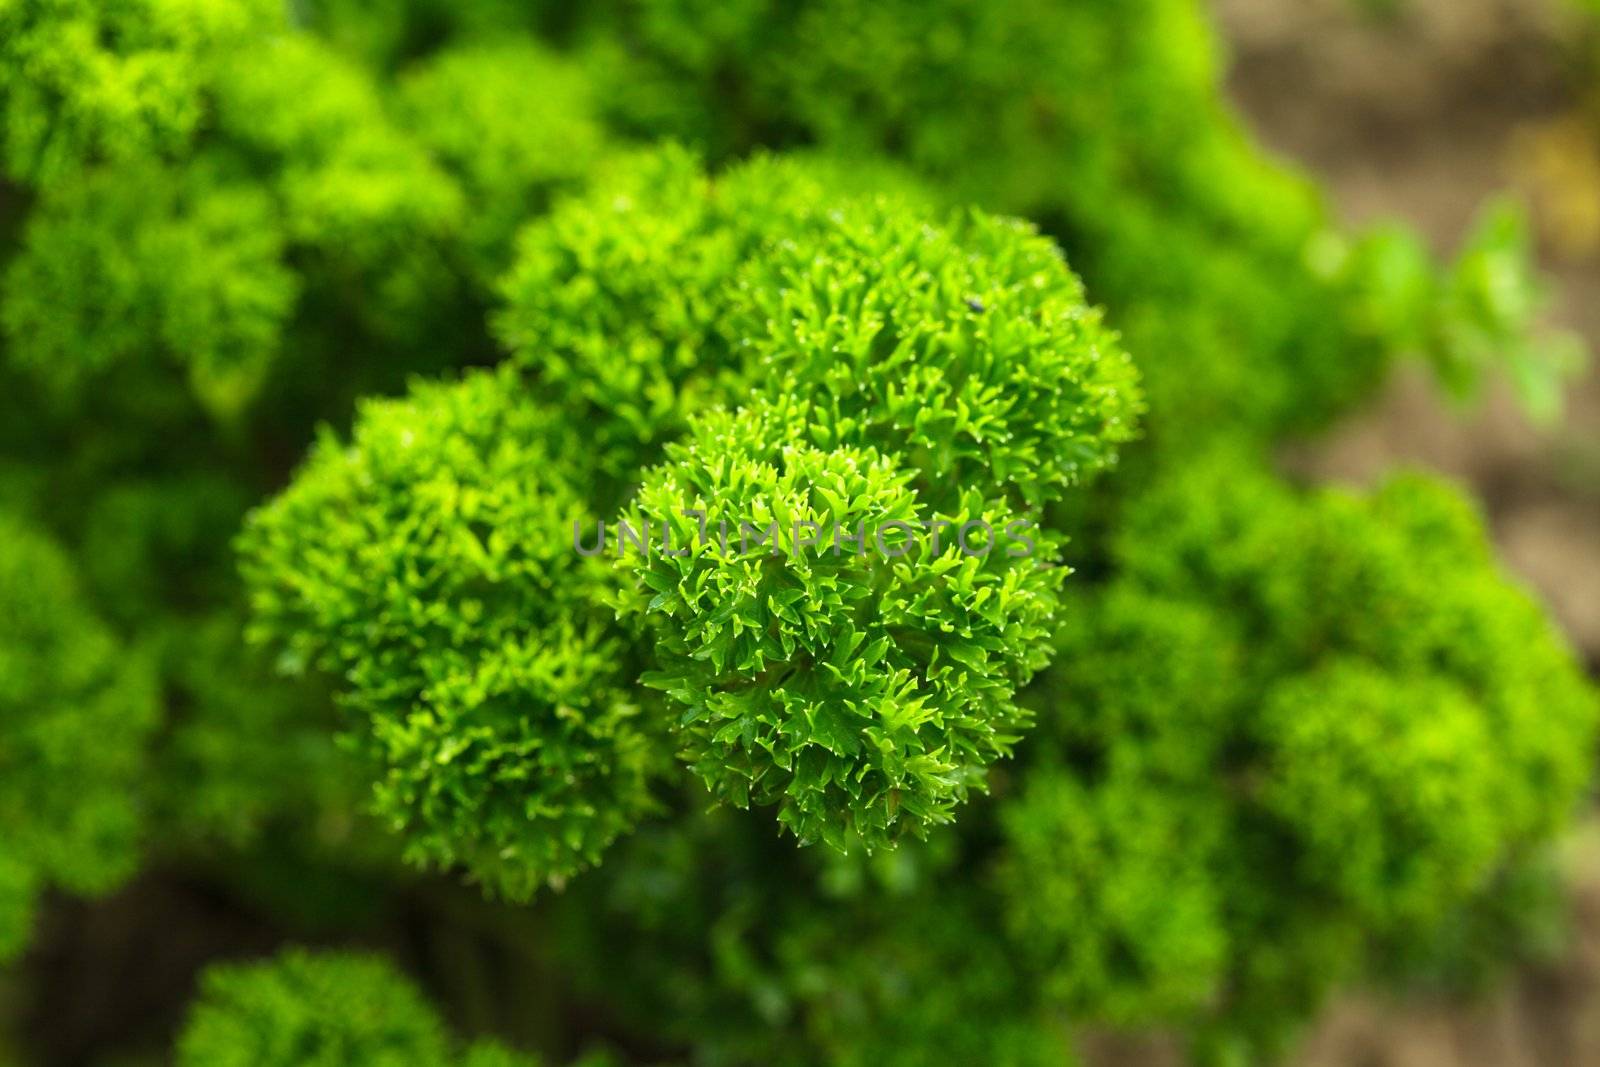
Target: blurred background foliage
[[223, 224]]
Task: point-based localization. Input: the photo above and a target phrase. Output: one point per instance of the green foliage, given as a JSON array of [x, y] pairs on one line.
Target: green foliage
[[1106, 644], [862, 687], [971, 351], [372, 210], [330, 1009], [514, 123], [661, 293], [134, 262], [884, 957], [84, 83], [17, 892], [1352, 697], [1390, 783], [240, 222], [386, 34], [428, 564], [614, 299], [304, 1010], [623, 300], [914, 981], [974, 360], [1478, 316], [1102, 121], [493, 1054], [75, 711], [245, 752], [1269, 740], [1108, 893], [160, 541]]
